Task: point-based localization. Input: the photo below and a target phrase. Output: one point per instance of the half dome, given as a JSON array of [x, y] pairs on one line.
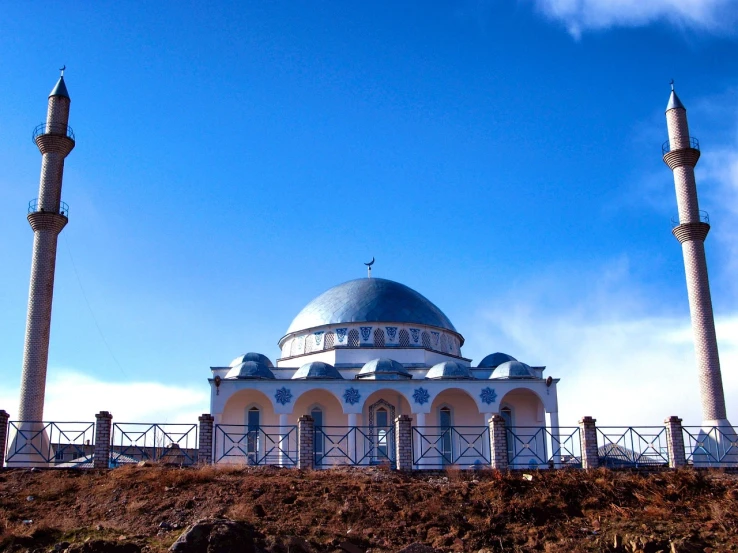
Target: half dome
[[370, 300], [449, 370], [513, 369], [250, 370], [495, 359], [317, 370], [384, 369], [251, 356]]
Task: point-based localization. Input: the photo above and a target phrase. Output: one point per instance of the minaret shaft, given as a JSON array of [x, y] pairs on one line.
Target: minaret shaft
[[682, 156], [47, 219]]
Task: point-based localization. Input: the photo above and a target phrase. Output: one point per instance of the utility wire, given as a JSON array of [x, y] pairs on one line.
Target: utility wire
[[89, 307]]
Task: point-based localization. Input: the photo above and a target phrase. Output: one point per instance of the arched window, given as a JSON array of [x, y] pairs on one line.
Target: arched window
[[319, 438], [382, 429], [379, 338], [425, 338], [404, 338], [444, 419], [253, 423], [353, 338]]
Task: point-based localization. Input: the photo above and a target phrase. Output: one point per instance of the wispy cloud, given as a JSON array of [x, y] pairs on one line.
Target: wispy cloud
[[73, 396], [584, 15]]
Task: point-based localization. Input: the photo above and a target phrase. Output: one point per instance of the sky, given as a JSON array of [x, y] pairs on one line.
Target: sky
[[502, 157]]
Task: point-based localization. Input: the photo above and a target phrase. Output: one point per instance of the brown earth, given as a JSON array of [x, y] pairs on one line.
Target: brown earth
[[354, 510]]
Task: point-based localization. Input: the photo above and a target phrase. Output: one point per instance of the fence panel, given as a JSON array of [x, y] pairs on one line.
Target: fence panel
[[168, 443], [264, 445], [541, 447], [353, 445], [437, 446], [632, 446], [711, 446], [52, 444]]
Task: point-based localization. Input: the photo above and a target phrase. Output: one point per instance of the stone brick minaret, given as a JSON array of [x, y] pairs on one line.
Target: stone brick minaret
[[47, 215], [681, 153]]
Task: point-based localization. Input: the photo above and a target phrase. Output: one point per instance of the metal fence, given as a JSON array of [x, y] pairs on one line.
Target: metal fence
[[353, 445], [168, 443], [50, 444], [463, 446], [541, 447], [632, 446], [265, 445], [710, 446]]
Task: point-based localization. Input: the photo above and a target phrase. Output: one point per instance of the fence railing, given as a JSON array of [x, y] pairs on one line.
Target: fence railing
[[463, 446], [632, 446], [53, 128], [541, 447], [353, 445], [265, 445], [711, 446], [53, 444], [168, 443]]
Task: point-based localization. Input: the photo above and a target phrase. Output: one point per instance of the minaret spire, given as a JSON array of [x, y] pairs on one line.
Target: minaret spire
[[47, 215], [681, 153]]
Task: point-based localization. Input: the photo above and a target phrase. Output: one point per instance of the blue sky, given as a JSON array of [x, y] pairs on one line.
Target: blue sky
[[501, 157]]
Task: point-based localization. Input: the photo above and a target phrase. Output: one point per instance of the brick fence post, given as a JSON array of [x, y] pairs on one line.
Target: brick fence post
[[404, 442], [675, 442], [305, 437], [103, 431], [498, 443], [3, 436], [205, 439], [588, 435]]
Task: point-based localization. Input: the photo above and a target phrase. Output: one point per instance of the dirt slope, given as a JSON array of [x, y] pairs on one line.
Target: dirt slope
[[375, 509]]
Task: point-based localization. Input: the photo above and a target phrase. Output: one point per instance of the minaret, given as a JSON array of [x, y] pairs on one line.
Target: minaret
[[681, 153], [47, 215]]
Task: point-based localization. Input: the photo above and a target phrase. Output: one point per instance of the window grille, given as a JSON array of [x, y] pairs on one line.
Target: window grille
[[329, 340], [444, 343], [353, 338], [287, 348], [404, 338], [379, 338], [425, 338], [297, 346], [309, 344]]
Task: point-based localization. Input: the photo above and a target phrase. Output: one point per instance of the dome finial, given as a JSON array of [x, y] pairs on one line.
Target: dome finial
[[674, 101], [61, 70], [672, 85], [369, 267]]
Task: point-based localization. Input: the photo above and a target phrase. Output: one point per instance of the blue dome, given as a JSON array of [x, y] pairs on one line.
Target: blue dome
[[449, 370], [384, 369], [316, 370], [369, 300], [513, 369], [251, 369], [251, 356], [495, 359]]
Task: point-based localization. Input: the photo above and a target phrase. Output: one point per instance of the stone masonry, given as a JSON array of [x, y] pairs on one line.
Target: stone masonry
[[205, 449], [103, 430], [588, 435], [47, 221], [675, 442], [498, 443], [691, 233], [3, 436], [305, 439], [404, 442]]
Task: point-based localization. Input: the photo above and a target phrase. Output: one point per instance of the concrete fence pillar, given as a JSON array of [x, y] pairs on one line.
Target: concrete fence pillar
[[498, 443], [103, 435], [588, 435], [404, 442], [305, 440], [205, 439], [3, 436], [675, 442]]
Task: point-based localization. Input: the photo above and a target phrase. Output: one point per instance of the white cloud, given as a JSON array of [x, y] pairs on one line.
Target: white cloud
[[583, 15], [73, 396]]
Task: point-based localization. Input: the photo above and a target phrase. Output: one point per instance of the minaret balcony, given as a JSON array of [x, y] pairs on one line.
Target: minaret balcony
[[55, 129], [35, 207], [693, 143], [54, 137], [703, 216]]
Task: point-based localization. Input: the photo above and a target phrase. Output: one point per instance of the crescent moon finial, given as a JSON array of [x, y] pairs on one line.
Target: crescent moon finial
[[370, 263], [62, 69]]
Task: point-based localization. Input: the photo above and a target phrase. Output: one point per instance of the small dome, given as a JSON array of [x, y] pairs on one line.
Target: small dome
[[449, 370], [316, 370], [385, 369], [495, 359], [251, 369], [251, 356], [513, 369]]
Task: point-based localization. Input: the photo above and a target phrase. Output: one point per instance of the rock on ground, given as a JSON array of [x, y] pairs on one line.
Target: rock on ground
[[217, 535]]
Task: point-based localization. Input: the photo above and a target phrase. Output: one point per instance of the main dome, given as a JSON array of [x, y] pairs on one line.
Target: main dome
[[369, 300]]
